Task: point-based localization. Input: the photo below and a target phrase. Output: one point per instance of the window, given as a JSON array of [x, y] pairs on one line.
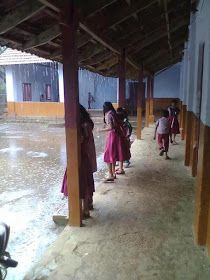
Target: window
[[48, 92], [27, 94]]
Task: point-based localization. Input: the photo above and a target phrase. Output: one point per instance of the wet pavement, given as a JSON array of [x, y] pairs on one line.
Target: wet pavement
[[32, 164]]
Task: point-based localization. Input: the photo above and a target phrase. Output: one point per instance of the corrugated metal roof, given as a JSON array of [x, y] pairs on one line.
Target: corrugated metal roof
[[12, 57]]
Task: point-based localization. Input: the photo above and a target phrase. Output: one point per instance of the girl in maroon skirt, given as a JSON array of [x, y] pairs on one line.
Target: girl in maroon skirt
[[88, 163], [173, 117]]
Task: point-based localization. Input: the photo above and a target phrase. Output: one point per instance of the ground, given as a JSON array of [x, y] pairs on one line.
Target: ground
[[141, 228], [32, 164]]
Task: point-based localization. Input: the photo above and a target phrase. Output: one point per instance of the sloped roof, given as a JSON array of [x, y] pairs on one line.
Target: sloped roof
[[11, 57], [152, 32]]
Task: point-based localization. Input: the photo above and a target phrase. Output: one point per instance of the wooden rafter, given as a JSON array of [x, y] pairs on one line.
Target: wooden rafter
[[165, 8], [105, 43], [126, 12], [43, 38], [157, 35], [28, 9]]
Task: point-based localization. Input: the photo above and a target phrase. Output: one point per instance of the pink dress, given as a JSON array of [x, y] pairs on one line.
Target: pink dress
[[115, 141], [88, 164]]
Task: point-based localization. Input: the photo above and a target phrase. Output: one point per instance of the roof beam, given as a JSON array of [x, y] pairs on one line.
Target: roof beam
[[116, 18], [165, 8], [104, 43], [154, 37], [52, 4], [28, 9], [43, 38]]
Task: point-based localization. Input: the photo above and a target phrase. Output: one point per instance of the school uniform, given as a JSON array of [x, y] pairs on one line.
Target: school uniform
[[163, 131]]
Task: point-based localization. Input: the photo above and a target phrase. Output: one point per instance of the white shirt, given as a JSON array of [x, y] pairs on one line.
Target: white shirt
[[163, 126]]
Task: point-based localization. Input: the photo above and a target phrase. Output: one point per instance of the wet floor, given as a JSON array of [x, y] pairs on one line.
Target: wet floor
[[32, 164]]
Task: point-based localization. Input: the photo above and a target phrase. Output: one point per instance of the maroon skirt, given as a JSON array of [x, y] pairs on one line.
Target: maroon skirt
[[174, 125]]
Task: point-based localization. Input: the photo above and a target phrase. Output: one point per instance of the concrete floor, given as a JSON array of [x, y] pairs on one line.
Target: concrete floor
[[141, 227]]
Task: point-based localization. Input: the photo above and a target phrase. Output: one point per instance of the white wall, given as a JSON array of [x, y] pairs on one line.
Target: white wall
[[167, 83], [9, 84], [199, 33]]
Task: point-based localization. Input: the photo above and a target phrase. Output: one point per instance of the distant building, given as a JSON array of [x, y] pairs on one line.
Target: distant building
[[29, 78]]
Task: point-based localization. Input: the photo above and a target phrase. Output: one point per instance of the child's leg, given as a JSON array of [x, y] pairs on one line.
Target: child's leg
[[120, 170], [166, 145], [110, 170], [160, 141], [86, 212], [113, 169]]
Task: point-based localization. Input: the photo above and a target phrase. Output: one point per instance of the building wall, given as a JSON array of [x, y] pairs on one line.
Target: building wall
[[166, 83], [197, 133], [102, 88], [38, 75]]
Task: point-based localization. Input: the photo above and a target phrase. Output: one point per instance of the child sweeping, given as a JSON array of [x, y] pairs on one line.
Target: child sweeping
[[163, 133]]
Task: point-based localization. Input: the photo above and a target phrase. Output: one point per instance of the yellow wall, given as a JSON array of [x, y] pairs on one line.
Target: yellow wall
[[36, 109]]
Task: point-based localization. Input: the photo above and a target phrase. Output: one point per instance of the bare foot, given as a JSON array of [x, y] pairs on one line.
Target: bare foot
[[167, 158]]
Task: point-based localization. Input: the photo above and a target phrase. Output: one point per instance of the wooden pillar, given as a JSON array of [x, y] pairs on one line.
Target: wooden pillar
[[188, 138], [148, 101], [195, 146], [122, 78], [151, 101], [183, 121], [69, 26], [139, 104], [202, 186]]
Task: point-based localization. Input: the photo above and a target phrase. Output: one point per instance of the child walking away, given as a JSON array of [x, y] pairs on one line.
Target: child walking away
[[127, 128], [162, 133], [173, 117], [114, 141], [88, 163]]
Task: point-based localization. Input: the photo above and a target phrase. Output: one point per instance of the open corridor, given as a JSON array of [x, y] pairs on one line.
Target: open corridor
[[141, 227]]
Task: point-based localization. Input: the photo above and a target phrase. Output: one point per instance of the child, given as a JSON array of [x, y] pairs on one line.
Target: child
[[163, 131], [114, 142], [88, 163], [127, 127], [173, 117]]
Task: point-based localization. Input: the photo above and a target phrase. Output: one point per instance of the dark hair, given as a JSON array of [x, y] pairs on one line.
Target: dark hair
[[165, 113], [85, 116], [121, 113], [174, 101], [108, 107]]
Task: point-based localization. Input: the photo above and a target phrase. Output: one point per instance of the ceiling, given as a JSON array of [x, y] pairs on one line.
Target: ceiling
[[152, 32]]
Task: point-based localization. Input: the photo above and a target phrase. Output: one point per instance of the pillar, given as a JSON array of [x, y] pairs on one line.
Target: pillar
[[139, 104], [69, 27], [151, 101], [121, 80], [202, 186], [188, 146], [183, 121], [147, 112]]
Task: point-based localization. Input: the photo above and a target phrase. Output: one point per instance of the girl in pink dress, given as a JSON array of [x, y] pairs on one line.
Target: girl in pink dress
[[88, 163], [114, 147]]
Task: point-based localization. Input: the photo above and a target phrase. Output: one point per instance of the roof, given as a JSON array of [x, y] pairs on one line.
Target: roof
[[11, 57], [152, 32]]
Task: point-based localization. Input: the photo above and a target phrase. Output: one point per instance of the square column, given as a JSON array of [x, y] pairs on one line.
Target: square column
[[121, 80], [151, 101], [139, 104], [71, 103], [147, 111]]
